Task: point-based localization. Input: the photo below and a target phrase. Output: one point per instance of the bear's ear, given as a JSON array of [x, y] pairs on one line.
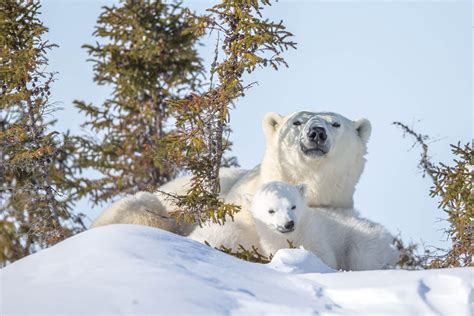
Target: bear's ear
[[247, 200], [364, 128], [270, 123], [301, 189]]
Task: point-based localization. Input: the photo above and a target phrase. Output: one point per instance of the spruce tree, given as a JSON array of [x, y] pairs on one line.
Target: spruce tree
[[245, 41], [147, 54], [36, 184], [452, 185]]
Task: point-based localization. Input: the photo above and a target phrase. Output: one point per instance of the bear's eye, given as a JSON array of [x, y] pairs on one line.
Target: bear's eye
[[336, 124], [271, 211], [293, 207], [296, 123]]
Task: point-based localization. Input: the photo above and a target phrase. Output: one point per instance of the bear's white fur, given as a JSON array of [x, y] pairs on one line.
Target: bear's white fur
[[330, 167], [142, 208], [151, 209], [336, 236], [230, 235]]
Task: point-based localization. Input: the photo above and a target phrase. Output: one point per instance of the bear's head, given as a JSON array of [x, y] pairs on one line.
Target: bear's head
[[277, 205], [322, 149]]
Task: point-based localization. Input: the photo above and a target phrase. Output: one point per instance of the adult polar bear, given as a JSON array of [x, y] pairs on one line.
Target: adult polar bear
[[323, 150]]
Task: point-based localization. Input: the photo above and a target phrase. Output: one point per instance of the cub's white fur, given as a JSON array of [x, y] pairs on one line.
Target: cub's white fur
[[336, 236], [276, 206]]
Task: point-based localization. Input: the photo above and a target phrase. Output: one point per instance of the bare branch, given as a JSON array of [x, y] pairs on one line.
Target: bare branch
[[425, 163]]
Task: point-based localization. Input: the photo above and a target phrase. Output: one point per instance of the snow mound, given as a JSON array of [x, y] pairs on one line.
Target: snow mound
[[298, 261], [132, 270]]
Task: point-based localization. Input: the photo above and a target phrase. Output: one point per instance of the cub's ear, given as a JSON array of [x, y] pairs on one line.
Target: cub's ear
[[247, 200], [301, 189], [270, 123], [364, 129]]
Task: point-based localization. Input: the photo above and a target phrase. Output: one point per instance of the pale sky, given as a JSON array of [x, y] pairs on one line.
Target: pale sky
[[408, 61]]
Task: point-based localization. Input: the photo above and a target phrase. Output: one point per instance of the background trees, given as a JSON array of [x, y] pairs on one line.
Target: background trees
[[36, 188]]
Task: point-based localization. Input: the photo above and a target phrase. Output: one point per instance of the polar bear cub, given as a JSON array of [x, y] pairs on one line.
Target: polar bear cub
[[278, 211], [338, 237]]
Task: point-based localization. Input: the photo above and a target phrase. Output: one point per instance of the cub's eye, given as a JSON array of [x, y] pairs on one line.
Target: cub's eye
[[293, 207], [296, 123], [271, 211], [336, 124]]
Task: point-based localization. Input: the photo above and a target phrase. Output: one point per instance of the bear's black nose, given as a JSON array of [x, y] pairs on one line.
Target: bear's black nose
[[317, 133], [290, 225]]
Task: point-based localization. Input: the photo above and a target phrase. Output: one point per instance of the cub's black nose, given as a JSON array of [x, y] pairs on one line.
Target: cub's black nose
[[317, 133], [290, 225]]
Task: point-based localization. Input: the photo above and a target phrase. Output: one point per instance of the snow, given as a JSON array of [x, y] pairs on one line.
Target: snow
[[298, 261], [136, 270]]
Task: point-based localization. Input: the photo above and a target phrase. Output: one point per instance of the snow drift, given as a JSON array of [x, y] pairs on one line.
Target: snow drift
[[128, 269]]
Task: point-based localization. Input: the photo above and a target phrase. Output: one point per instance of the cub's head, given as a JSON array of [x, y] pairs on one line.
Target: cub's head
[[277, 205]]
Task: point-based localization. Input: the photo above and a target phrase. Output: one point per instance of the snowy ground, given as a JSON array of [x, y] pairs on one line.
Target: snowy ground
[[135, 270]]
